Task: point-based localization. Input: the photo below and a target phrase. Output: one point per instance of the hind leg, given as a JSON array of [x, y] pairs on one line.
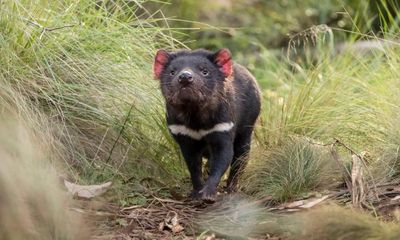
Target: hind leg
[[241, 150]]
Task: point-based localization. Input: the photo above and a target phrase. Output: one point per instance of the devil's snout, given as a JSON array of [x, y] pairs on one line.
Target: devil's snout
[[185, 78]]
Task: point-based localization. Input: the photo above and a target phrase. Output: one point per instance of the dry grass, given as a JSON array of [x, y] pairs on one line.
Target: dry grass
[[32, 205]]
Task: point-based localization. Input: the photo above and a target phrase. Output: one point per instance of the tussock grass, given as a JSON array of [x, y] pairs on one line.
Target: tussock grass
[[85, 68], [291, 169], [32, 206]]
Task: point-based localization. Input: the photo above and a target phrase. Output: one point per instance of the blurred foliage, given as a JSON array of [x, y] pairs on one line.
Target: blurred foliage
[[244, 25], [258, 32]]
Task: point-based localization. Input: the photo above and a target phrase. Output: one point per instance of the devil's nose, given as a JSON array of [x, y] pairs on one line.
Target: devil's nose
[[185, 77]]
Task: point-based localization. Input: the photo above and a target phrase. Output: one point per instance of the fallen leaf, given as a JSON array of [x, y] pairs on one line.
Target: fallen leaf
[[174, 219], [292, 210], [161, 226], [86, 191], [211, 237], [295, 204], [171, 222], [312, 202], [177, 228], [395, 198], [291, 204], [305, 203]]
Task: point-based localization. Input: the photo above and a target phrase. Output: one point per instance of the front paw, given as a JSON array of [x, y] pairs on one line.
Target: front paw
[[195, 195], [208, 193]]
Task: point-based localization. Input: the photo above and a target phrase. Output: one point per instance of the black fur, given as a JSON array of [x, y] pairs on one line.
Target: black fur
[[212, 98]]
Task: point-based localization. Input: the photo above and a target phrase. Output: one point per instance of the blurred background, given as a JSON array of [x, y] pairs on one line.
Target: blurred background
[[248, 28], [250, 25]]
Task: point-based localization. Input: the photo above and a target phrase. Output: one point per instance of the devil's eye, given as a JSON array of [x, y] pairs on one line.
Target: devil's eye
[[172, 73], [205, 72]]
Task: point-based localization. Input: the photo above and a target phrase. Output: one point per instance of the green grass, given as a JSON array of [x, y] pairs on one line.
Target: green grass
[[86, 69], [350, 97]]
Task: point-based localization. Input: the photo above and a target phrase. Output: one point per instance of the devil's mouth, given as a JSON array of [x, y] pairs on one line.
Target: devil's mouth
[[184, 89], [186, 95], [186, 92]]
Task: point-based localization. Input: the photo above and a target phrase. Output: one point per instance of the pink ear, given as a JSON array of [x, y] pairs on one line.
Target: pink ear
[[223, 59], [160, 60]]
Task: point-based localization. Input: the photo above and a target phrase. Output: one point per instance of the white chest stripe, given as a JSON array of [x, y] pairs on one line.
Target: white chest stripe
[[199, 134]]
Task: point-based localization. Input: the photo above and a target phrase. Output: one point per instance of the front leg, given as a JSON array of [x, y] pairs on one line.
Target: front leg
[[221, 153], [192, 153]]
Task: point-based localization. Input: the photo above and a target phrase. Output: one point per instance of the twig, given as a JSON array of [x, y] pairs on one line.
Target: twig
[[363, 163], [62, 27], [120, 132], [49, 29], [337, 141], [353, 152]]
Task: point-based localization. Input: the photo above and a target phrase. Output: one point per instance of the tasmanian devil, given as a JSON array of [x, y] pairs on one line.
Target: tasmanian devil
[[212, 104]]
